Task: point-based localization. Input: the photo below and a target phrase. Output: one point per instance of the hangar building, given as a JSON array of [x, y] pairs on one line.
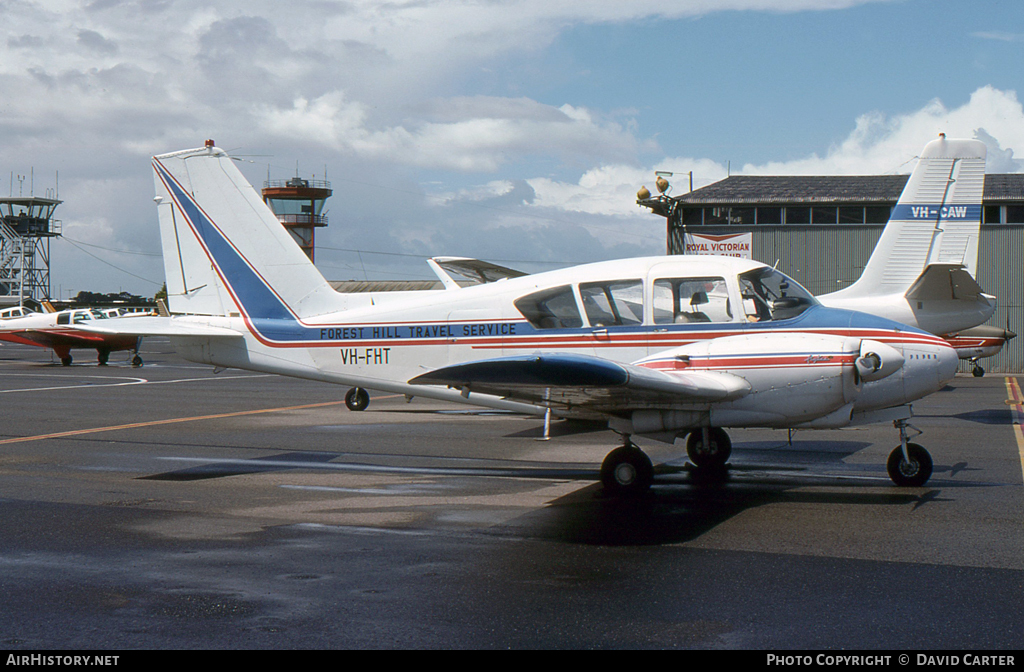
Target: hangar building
[[821, 231]]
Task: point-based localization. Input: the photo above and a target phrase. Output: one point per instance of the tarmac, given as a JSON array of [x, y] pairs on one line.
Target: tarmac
[[171, 507]]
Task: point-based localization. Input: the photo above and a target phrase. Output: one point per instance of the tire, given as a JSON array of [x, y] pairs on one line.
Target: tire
[[911, 474], [716, 455], [357, 399], [136, 362], [978, 372], [66, 361], [627, 471]]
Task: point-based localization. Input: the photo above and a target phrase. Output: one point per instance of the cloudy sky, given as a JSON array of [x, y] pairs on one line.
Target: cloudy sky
[[513, 130]]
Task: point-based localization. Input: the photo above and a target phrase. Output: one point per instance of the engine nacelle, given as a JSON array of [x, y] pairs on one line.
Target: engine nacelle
[[877, 360], [794, 378]]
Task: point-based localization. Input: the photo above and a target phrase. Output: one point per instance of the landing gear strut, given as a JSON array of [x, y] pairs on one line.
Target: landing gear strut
[[909, 465], [357, 399], [627, 470]]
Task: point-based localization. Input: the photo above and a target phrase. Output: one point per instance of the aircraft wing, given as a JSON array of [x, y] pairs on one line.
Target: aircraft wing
[[583, 381], [944, 281], [51, 338], [154, 326], [476, 270]]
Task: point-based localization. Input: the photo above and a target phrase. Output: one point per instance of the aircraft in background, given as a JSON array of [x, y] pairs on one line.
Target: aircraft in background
[[923, 268], [61, 331], [979, 342], [664, 347]]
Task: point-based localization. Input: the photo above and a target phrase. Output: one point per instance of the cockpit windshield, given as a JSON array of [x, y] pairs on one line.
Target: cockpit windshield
[[771, 295]]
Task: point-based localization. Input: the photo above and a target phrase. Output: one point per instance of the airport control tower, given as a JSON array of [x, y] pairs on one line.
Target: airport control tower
[[299, 204], [26, 227]]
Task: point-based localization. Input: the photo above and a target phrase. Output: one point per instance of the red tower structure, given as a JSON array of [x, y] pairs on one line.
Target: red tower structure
[[298, 204]]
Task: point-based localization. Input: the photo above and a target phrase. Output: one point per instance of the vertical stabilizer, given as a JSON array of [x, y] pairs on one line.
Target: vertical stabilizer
[[937, 220], [224, 250]]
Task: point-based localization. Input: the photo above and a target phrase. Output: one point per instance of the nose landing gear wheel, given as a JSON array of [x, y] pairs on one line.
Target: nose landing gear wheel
[[627, 471], [914, 473], [357, 399]]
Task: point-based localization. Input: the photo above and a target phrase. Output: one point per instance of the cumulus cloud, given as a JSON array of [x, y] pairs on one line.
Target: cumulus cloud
[[476, 134], [884, 144], [93, 88], [878, 144]]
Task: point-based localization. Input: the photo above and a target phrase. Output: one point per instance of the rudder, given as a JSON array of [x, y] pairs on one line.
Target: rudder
[[224, 250]]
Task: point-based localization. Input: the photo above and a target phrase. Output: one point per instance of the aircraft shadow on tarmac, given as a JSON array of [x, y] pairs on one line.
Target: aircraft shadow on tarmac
[[681, 507], [683, 504], [988, 416]]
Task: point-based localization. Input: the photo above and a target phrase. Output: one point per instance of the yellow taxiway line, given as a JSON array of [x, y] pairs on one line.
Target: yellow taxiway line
[[1016, 403], [169, 421]]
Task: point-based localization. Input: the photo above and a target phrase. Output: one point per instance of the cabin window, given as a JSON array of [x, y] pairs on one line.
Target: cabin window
[[551, 309], [64, 318], [686, 300], [615, 303], [771, 295]]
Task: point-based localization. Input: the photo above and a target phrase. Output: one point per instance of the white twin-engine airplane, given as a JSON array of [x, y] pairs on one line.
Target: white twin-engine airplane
[[666, 347]]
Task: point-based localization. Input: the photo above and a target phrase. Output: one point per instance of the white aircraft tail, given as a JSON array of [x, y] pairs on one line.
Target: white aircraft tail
[[224, 250], [936, 221]]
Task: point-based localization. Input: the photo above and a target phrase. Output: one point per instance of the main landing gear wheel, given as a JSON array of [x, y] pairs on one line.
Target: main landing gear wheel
[[627, 471], [357, 399], [977, 371], [713, 455], [102, 357], [136, 361], [913, 473], [66, 361]]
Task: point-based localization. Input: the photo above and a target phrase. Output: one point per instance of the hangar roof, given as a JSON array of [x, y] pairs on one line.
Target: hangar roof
[[862, 189]]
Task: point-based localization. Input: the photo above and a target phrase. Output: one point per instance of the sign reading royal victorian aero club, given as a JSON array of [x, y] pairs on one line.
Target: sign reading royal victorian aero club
[[731, 245]]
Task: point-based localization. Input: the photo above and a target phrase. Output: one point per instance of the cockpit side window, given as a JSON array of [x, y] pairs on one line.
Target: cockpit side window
[[614, 303], [551, 309], [685, 300], [771, 295]]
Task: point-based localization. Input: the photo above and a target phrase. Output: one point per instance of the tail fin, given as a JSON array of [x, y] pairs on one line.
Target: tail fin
[[937, 220], [224, 250]]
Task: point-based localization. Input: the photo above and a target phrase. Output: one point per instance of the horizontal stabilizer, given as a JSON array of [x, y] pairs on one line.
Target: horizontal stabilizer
[[580, 380], [476, 270], [156, 326], [944, 282]]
